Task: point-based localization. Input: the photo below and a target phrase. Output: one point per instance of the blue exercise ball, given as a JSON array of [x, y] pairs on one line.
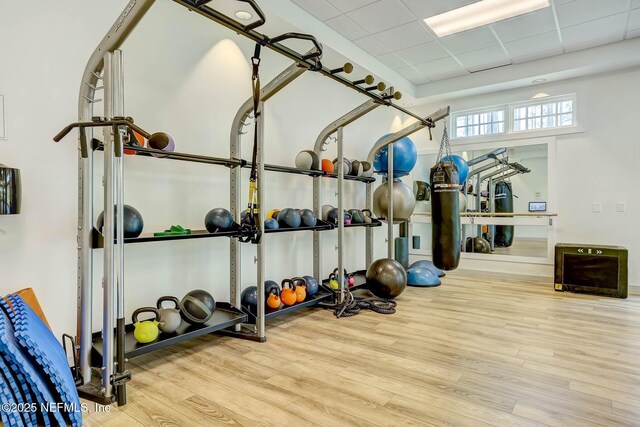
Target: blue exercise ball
[[422, 276], [461, 164], [425, 263], [405, 157]]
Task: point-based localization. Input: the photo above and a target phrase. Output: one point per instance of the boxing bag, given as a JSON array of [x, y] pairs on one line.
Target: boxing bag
[[503, 202], [445, 216]]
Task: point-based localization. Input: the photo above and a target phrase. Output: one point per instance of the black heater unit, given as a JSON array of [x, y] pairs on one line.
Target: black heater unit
[[591, 269]]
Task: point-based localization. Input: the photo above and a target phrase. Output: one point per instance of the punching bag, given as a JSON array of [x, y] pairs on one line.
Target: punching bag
[[445, 216], [503, 202]]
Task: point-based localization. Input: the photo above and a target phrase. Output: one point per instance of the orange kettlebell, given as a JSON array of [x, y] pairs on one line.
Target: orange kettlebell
[[288, 293], [273, 300], [301, 288]]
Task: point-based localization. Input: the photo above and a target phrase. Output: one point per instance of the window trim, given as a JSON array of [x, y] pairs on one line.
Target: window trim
[[494, 109]]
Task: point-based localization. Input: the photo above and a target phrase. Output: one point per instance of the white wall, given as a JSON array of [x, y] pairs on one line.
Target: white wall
[[184, 75], [595, 165]]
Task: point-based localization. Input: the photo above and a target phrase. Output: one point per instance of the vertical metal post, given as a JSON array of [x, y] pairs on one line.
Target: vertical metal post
[[492, 208], [341, 173], [118, 110], [235, 255], [260, 323], [390, 242], [108, 233], [369, 232], [317, 208]]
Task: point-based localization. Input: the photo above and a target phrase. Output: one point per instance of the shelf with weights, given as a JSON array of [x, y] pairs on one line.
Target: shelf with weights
[[320, 226], [363, 179], [224, 316], [360, 280], [321, 296]]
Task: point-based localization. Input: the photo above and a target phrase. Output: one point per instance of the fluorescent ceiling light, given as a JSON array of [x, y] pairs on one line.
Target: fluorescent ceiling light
[[481, 13]]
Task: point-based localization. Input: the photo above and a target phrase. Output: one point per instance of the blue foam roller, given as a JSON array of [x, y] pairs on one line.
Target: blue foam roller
[[422, 276], [11, 352], [425, 263], [38, 340]]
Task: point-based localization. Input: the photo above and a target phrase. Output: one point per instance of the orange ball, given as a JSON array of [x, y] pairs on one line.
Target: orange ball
[[327, 166]]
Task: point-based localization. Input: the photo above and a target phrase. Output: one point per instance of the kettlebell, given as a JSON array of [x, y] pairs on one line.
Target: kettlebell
[[288, 293], [349, 280], [145, 331], [333, 282], [273, 300], [301, 288], [170, 318]]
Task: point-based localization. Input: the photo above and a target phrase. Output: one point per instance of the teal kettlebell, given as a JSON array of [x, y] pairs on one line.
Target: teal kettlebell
[[146, 331], [170, 318]]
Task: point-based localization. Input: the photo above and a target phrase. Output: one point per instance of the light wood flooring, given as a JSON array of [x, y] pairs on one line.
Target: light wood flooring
[[525, 247], [475, 351]]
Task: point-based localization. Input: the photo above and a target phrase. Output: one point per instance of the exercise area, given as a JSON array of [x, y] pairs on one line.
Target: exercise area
[[358, 212]]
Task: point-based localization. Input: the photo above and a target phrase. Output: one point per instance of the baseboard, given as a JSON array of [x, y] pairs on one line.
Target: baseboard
[[634, 289]]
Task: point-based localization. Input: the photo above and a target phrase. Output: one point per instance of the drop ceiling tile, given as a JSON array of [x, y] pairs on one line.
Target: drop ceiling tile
[[634, 20], [594, 33], [346, 27], [381, 16], [580, 11], [349, 5], [469, 40], [488, 57], [321, 9], [407, 35], [372, 45], [534, 47], [426, 8], [635, 4], [413, 75], [529, 24], [423, 53], [633, 34], [440, 69], [392, 60]]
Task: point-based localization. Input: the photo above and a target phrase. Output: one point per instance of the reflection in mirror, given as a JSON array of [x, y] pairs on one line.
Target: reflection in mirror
[[500, 182]]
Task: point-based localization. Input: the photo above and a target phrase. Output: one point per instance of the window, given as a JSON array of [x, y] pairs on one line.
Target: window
[[479, 123], [544, 114], [533, 115]]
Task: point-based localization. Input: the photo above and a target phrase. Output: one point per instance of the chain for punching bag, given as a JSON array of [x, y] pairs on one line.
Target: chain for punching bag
[[250, 224], [445, 211]]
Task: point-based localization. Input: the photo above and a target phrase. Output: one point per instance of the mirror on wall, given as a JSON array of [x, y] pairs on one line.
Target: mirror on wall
[[501, 182]]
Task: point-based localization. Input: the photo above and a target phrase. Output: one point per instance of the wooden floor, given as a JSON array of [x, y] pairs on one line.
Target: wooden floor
[[475, 351], [525, 247]]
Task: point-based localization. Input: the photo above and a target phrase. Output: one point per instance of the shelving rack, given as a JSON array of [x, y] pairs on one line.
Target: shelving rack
[[105, 64]]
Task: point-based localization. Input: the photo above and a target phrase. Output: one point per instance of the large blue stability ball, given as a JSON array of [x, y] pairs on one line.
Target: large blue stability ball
[[405, 157], [461, 164]]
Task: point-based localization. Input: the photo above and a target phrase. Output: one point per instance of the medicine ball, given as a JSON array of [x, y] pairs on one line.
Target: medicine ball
[[271, 224], [249, 299], [347, 166], [386, 278], [307, 160], [312, 285], [477, 245], [405, 157], [132, 222], [161, 141], [325, 212], [327, 166], [197, 307], [357, 217], [308, 217], [367, 170], [218, 219], [289, 218], [332, 216], [356, 168]]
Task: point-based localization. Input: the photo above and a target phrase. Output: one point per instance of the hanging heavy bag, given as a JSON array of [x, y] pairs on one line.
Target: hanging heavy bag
[[445, 212], [503, 202]]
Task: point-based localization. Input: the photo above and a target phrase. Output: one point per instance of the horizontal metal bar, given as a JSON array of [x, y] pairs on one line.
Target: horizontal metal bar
[[487, 156], [196, 158]]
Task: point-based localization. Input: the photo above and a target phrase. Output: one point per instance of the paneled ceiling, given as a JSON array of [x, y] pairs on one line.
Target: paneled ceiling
[[393, 31]]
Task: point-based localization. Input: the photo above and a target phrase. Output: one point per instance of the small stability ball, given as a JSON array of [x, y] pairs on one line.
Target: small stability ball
[[386, 278]]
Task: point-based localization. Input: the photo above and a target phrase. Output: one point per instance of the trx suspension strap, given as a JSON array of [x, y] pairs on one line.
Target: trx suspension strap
[[251, 222]]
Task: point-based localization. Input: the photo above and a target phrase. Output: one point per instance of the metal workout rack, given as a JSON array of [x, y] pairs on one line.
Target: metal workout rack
[[109, 349]]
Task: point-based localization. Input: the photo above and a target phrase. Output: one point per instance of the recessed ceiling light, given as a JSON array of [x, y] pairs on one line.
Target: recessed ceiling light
[[244, 15], [536, 81], [540, 95], [481, 13]]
